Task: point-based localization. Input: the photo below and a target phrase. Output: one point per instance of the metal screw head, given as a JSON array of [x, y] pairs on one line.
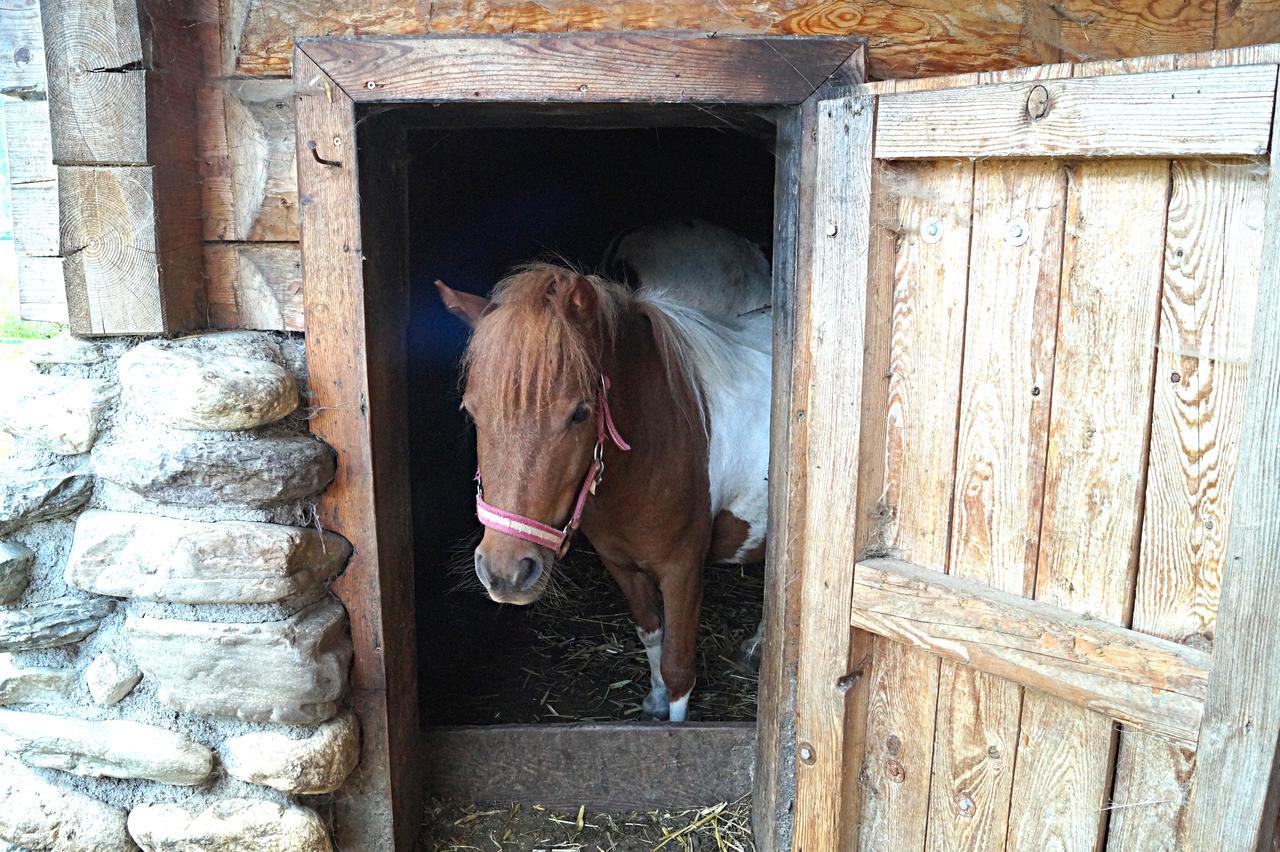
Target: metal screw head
[[966, 805], [1175, 377], [582, 88], [1038, 103], [372, 84], [337, 141], [1017, 231], [931, 229], [832, 230], [1035, 391], [806, 754]]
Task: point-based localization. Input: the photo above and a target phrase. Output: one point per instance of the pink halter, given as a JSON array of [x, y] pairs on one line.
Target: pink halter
[[537, 532]]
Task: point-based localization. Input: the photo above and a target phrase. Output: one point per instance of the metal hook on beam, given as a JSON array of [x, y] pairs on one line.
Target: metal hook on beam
[[311, 146]]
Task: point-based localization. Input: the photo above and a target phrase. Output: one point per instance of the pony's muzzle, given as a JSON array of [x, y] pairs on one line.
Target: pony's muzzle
[[510, 578]]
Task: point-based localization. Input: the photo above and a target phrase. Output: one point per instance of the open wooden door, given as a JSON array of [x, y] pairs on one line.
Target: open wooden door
[[1035, 381]]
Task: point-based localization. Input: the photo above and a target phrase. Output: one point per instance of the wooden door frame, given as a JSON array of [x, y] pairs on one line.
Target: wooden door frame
[[355, 292]]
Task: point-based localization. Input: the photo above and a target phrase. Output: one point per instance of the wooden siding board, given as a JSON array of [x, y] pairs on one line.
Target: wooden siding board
[[1235, 804], [1162, 114], [928, 207], [1094, 476], [840, 237], [254, 285], [1213, 252]]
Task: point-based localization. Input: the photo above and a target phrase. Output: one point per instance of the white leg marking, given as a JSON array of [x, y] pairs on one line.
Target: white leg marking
[[680, 707], [656, 702]]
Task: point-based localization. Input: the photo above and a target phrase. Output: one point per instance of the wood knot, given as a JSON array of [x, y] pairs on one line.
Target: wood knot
[[1038, 103], [894, 772]]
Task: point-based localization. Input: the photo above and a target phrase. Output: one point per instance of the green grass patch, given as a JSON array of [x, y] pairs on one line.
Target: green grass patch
[[15, 329]]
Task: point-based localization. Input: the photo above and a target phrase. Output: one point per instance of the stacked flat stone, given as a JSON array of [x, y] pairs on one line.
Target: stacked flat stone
[[198, 422]]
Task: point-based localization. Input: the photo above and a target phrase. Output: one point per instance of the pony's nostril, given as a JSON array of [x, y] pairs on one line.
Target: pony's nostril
[[530, 571], [481, 571]]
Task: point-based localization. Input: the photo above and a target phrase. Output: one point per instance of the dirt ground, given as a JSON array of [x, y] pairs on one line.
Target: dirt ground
[[574, 656], [449, 826]]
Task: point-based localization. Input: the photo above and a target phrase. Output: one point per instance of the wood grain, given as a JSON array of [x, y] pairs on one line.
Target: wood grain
[[97, 82], [1201, 112], [357, 311], [773, 793], [42, 292], [249, 169], [929, 206], [840, 236], [1094, 477], [1156, 685], [584, 67], [1213, 250], [1237, 795], [22, 73], [619, 766], [995, 505], [33, 179], [254, 285]]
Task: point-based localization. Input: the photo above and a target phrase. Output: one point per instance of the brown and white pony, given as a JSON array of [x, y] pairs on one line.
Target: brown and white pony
[[641, 417]]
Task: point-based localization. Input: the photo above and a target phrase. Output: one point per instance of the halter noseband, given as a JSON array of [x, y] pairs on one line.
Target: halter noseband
[[537, 532]]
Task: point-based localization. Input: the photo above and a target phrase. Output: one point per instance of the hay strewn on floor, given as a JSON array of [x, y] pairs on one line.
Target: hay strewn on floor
[[449, 826], [583, 662]]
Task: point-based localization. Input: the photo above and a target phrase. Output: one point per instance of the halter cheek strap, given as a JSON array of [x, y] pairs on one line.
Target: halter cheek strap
[[537, 532]]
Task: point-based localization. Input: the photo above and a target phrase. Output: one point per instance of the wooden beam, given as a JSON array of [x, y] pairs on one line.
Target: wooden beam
[[1150, 684], [356, 294], [1224, 111], [254, 285], [838, 238], [584, 67], [122, 81], [620, 766], [1236, 801]]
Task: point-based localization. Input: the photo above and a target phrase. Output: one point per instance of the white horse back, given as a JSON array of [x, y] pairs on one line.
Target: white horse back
[[715, 287]]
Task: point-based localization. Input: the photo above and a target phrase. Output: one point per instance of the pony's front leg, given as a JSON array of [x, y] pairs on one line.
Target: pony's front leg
[[642, 597], [682, 604]]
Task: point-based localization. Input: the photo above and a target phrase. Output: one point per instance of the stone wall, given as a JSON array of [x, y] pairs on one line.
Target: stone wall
[[173, 669]]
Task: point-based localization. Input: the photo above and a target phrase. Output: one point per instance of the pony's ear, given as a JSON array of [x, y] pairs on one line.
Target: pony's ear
[[577, 295], [465, 306]]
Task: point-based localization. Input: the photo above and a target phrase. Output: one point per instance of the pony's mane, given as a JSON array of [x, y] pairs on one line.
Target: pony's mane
[[526, 348]]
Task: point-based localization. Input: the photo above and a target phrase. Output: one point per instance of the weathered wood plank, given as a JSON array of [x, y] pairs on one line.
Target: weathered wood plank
[[33, 179], [1094, 476], [254, 285], [773, 794], [1247, 22], [928, 207], [22, 73], [577, 67], [908, 39], [1194, 112], [1213, 250], [1236, 798], [832, 403], [97, 81], [622, 766], [999, 477], [1156, 685], [42, 293], [353, 256], [249, 169]]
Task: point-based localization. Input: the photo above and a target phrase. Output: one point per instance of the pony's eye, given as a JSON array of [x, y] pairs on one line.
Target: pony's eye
[[580, 413]]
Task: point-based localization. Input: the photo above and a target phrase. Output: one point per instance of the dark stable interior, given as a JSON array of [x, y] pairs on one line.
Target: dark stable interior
[[480, 202]]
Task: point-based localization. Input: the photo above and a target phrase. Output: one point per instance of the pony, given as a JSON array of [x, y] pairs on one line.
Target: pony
[[636, 416]]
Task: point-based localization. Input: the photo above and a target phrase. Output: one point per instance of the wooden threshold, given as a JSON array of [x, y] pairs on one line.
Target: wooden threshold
[[616, 766], [1149, 684]]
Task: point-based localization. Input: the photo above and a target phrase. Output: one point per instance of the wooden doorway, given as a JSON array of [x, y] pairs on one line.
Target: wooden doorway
[[353, 241]]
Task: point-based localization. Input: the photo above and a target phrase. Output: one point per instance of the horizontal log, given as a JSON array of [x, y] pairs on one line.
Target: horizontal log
[[1223, 111], [618, 766], [583, 67], [1150, 684], [254, 285]]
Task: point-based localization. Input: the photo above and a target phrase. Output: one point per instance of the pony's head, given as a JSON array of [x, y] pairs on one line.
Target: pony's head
[[532, 373]]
